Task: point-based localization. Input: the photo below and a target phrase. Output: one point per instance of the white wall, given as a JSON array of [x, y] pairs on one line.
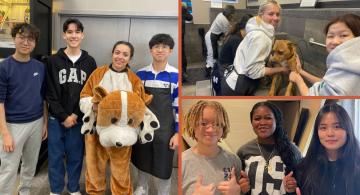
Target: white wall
[[165, 7], [254, 3], [201, 10], [108, 21]]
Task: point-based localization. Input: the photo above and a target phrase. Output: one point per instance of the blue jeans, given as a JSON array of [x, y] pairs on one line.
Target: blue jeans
[[68, 143]]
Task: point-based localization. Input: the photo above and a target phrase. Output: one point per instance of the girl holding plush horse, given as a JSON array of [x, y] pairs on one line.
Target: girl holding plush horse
[[116, 76]]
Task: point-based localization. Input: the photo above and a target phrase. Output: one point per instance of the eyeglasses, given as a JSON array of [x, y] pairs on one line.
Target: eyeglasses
[[206, 125], [24, 38]]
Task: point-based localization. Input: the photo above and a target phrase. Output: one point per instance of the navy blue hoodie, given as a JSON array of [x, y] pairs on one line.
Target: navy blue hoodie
[[64, 82]]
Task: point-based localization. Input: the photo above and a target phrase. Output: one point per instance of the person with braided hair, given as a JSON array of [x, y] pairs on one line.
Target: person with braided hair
[[206, 167], [268, 158]]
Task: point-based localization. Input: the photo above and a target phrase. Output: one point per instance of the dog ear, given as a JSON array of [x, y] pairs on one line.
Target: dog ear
[[140, 91], [291, 46], [148, 98], [99, 94]]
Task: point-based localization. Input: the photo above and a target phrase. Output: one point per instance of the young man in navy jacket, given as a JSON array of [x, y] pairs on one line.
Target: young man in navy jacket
[[67, 72], [23, 115]]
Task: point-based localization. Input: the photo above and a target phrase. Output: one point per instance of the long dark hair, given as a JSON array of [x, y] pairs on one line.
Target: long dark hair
[[315, 165], [282, 142], [352, 21], [236, 28]]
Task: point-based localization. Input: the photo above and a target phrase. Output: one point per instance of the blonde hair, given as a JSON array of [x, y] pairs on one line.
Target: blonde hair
[[195, 113], [263, 6], [266, 3]]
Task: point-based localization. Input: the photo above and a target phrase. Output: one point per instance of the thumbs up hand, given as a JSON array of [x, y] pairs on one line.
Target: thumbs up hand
[[244, 182], [201, 189], [290, 182], [231, 186]]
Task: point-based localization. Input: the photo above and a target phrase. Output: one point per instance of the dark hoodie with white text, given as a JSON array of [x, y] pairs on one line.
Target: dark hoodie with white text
[[64, 82]]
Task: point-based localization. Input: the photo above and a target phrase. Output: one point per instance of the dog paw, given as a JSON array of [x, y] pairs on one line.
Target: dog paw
[[148, 126]]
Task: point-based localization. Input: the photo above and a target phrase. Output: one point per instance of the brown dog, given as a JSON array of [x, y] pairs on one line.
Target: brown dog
[[283, 54]]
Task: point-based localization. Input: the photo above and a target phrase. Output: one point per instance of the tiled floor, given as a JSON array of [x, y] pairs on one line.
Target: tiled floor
[[40, 185], [198, 85]]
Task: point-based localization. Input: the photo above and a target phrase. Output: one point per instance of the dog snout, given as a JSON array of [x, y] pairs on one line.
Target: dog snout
[[118, 144]]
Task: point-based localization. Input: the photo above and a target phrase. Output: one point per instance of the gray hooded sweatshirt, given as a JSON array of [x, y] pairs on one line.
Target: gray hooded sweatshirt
[[253, 50], [343, 75]]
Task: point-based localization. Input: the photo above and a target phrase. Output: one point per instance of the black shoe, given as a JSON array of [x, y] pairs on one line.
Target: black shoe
[[208, 72]]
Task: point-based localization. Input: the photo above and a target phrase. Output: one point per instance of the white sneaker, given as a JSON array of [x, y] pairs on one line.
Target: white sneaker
[[53, 193], [140, 191], [76, 193]]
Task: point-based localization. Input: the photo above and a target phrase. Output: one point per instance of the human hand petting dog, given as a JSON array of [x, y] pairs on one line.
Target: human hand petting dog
[[294, 77], [285, 69], [299, 81], [298, 63]]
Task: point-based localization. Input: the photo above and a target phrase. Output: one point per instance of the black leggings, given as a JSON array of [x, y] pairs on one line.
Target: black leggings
[[245, 86]]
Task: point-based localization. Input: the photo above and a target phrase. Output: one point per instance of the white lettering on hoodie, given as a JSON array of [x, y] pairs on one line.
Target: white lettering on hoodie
[[72, 77]]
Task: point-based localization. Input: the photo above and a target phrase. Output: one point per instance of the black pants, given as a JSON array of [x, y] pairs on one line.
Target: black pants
[[183, 57], [214, 39], [245, 86], [216, 78]]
